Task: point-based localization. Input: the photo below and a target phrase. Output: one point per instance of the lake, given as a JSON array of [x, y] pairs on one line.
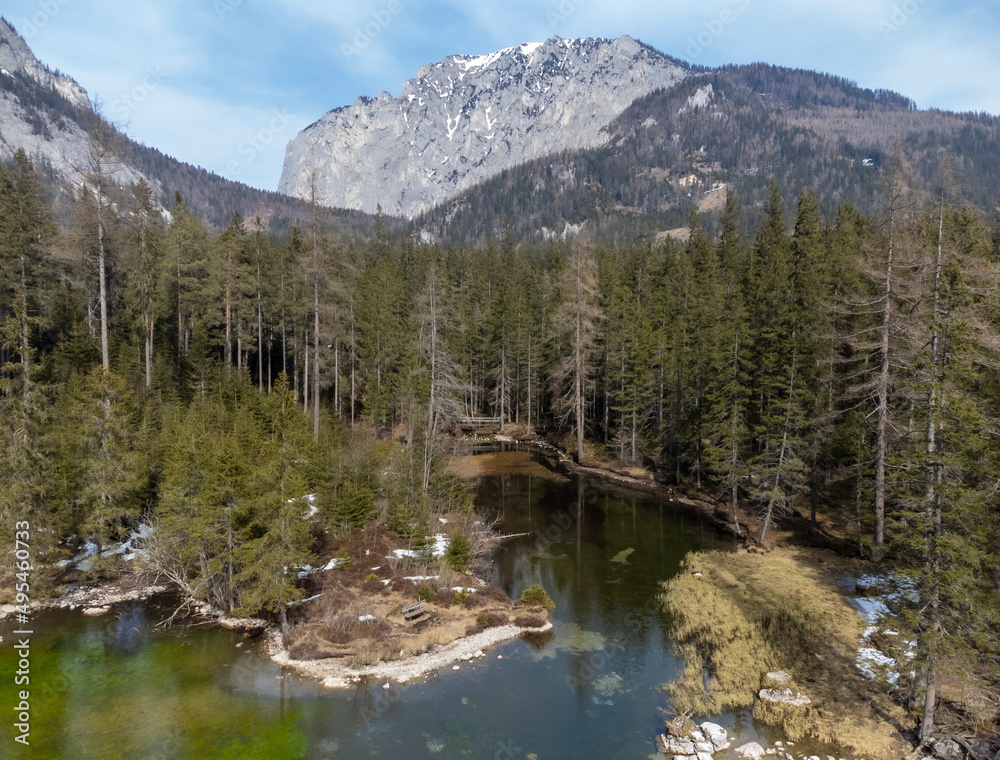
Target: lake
[[117, 687]]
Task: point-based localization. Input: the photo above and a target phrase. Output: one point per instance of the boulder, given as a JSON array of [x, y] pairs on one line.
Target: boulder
[[785, 697], [751, 751], [779, 676], [674, 745], [716, 735]]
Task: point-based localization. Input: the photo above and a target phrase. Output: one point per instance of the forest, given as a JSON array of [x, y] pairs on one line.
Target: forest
[[155, 371]]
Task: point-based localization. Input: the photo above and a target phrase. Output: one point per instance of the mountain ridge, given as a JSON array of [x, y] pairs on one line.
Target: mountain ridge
[[445, 133]]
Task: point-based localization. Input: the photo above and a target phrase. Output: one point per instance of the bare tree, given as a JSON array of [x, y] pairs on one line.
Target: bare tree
[[575, 323]]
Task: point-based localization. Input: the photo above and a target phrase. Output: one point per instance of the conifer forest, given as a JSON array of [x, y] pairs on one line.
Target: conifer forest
[[158, 371]]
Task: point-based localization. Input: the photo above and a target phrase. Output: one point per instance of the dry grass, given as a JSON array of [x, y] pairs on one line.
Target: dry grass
[[749, 614], [332, 626]]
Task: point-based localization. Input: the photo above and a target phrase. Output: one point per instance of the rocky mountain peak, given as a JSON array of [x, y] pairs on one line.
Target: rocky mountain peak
[[17, 58], [469, 117]]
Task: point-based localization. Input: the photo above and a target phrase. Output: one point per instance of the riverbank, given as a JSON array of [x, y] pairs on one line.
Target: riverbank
[[97, 598], [336, 674]]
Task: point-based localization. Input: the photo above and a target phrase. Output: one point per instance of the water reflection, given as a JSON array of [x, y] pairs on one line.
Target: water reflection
[[118, 687]]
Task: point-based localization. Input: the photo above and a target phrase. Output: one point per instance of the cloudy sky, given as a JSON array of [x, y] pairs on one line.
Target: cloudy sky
[[224, 84]]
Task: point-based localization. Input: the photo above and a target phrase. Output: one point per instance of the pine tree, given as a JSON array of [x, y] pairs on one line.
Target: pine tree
[[575, 323]]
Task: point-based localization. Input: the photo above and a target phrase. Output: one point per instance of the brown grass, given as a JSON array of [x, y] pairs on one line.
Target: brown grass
[[749, 614]]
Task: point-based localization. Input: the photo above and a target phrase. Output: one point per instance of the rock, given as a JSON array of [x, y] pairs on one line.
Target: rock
[[780, 676], [704, 748], [948, 748], [478, 653], [715, 734], [468, 118], [677, 746], [402, 679], [785, 697], [751, 751], [96, 610], [455, 667], [704, 756], [386, 685]]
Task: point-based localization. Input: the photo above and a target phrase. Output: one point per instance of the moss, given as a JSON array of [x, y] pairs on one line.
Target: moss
[[749, 614]]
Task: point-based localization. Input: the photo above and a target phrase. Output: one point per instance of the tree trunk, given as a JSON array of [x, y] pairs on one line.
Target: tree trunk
[[105, 356]]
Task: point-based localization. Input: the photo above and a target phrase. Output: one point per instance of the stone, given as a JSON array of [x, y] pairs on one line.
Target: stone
[[677, 746], [96, 611], [704, 756], [715, 734], [455, 667], [785, 697], [386, 685], [780, 676], [402, 679], [948, 748], [468, 118], [751, 751]]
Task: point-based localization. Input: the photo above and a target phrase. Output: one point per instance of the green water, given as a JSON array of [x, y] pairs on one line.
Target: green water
[[117, 687]]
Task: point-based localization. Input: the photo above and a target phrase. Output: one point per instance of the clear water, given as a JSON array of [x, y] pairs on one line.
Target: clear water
[[116, 687]]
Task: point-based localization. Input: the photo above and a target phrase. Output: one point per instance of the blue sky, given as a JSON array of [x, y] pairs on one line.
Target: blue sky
[[224, 84]]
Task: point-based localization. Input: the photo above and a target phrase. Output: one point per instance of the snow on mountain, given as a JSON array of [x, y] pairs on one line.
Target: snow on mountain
[[469, 117]]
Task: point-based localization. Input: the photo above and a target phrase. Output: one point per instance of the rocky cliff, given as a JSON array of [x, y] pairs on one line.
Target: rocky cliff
[[468, 118]]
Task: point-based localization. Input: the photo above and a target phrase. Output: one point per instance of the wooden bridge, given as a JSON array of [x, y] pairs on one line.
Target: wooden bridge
[[478, 422]]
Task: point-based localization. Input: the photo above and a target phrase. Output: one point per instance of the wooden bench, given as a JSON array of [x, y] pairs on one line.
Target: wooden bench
[[413, 611]]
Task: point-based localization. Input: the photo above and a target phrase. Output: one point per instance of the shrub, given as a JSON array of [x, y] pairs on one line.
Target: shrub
[[482, 620], [461, 597], [443, 596], [424, 594], [343, 559], [530, 621], [495, 593], [371, 577], [537, 595], [472, 629], [494, 619]]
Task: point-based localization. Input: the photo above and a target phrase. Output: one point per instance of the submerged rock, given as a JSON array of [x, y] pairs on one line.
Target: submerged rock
[[751, 751]]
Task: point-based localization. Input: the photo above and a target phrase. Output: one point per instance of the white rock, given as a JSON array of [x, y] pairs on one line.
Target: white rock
[[386, 685], [780, 676], [705, 756], [716, 734], [454, 667], [402, 679], [751, 751], [478, 653], [478, 114], [676, 746], [785, 697]]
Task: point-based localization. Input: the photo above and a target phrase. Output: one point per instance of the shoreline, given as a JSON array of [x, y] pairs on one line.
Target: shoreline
[[336, 674], [95, 599]]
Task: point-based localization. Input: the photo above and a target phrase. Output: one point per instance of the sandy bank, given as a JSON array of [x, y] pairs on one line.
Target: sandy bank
[[337, 674]]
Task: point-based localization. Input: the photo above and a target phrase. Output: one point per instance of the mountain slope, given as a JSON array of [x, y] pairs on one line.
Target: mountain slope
[[465, 119], [672, 152], [49, 115]]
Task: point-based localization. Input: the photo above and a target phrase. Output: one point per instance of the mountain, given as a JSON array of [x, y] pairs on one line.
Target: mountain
[[677, 149], [49, 116], [467, 118]]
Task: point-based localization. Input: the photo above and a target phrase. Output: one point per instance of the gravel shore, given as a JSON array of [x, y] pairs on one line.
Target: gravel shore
[[336, 674]]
